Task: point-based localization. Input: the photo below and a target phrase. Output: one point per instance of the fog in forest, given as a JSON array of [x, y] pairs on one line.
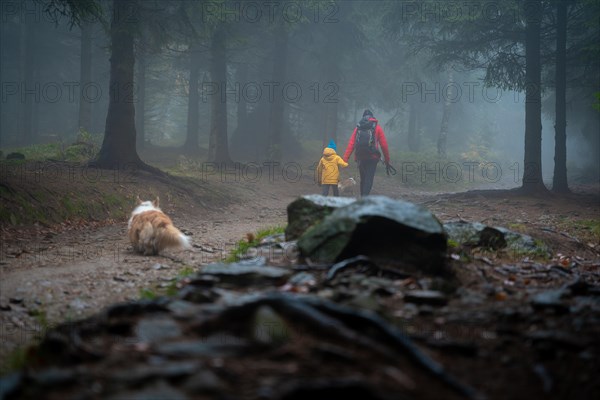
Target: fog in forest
[[288, 76]]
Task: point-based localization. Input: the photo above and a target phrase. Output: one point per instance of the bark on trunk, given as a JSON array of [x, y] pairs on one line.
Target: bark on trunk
[[559, 183], [532, 169], [118, 148]]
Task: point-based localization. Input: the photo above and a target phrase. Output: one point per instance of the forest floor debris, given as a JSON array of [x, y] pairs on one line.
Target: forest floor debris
[[507, 324]]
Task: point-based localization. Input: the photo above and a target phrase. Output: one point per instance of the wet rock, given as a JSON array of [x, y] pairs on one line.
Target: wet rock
[[476, 234], [136, 308], [172, 369], [303, 278], [245, 274], [523, 244], [197, 295], [204, 280], [381, 228], [9, 384], [53, 376], [183, 309], [330, 389], [302, 282], [157, 328], [160, 390], [215, 346], [268, 327], [550, 299], [308, 211], [272, 239], [198, 357], [204, 381], [428, 297]]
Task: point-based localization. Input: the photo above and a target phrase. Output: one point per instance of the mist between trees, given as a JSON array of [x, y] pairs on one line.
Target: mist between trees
[[254, 92], [233, 81], [419, 173]]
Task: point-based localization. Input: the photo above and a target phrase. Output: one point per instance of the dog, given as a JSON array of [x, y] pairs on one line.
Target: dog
[[151, 231], [347, 186]]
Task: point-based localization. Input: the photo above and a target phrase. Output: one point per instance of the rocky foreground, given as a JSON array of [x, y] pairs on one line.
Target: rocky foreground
[[374, 298]]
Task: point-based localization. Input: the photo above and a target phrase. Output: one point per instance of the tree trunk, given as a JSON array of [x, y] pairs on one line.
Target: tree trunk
[[280, 52], [118, 148], [559, 183], [219, 146], [140, 115], [532, 169], [85, 77], [193, 118]]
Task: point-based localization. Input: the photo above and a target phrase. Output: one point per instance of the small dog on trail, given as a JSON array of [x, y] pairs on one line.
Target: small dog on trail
[[151, 231], [347, 186]]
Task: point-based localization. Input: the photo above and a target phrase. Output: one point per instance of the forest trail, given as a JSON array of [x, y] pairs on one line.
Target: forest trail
[[48, 277]]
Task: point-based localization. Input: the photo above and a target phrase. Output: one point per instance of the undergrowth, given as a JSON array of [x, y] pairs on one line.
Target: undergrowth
[[252, 240]]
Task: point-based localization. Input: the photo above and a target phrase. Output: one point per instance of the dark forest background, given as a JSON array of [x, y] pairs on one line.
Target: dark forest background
[[229, 81]]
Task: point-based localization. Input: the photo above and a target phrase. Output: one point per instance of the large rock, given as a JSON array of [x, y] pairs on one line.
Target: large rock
[[309, 210], [477, 234], [246, 273], [381, 228]]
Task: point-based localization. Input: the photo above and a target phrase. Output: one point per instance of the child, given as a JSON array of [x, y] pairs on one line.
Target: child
[[328, 173]]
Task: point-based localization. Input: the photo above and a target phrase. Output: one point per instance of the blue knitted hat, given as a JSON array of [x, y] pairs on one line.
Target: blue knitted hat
[[332, 145]]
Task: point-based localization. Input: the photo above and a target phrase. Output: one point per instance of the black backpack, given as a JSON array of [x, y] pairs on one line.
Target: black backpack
[[365, 138]]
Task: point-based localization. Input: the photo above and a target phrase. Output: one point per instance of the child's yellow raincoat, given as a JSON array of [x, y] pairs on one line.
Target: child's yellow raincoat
[[327, 170]]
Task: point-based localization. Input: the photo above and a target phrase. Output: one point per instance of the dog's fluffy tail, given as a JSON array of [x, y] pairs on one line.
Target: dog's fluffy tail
[[154, 240], [169, 236]]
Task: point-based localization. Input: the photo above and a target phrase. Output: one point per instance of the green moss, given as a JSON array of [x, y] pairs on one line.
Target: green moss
[[585, 230], [516, 227], [186, 272], [453, 244], [592, 225], [147, 294], [243, 246], [43, 151], [538, 251], [174, 286]]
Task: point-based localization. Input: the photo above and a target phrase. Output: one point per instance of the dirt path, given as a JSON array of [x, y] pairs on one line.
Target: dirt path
[[48, 277]]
